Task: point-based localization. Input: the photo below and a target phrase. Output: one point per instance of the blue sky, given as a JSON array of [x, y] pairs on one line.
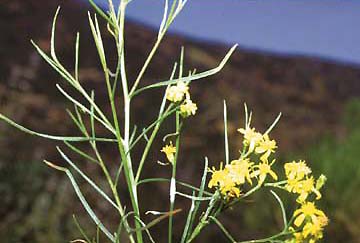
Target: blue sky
[[325, 28]]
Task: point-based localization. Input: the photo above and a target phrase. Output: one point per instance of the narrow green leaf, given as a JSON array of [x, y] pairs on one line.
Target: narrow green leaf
[[84, 108], [273, 124], [52, 42], [92, 115], [133, 135], [54, 65], [83, 154], [100, 12], [190, 78], [221, 226], [226, 135], [97, 235], [158, 220], [166, 114], [144, 228], [164, 18], [83, 200], [149, 180], [77, 123], [77, 56], [283, 212], [118, 172], [246, 116], [171, 14], [181, 66], [82, 232], [52, 137], [193, 198], [201, 192], [87, 179], [188, 220]]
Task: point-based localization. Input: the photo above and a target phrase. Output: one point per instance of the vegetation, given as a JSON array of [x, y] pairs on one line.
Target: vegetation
[[338, 159]]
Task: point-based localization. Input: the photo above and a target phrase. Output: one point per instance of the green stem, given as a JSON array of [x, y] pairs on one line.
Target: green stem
[[173, 178], [123, 144], [112, 187], [204, 221], [146, 64], [268, 239], [149, 143]]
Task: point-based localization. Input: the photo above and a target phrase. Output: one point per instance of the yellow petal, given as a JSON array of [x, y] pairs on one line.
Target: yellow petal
[[299, 220]]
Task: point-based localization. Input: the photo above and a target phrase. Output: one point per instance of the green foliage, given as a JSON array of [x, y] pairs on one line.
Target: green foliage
[[338, 158], [37, 212]]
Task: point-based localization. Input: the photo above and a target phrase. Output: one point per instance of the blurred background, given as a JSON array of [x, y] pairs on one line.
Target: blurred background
[[298, 57]]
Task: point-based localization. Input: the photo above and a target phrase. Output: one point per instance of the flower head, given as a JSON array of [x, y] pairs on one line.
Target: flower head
[[263, 169], [221, 179], [177, 92], [239, 171], [313, 221], [169, 151], [296, 170], [188, 108], [251, 137], [265, 147], [303, 188], [315, 229], [309, 211]]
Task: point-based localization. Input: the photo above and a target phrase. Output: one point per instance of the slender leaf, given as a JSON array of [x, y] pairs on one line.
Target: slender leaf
[[83, 201], [87, 179], [52, 137], [188, 220], [81, 230], [149, 180], [226, 142], [190, 78], [283, 212], [218, 223], [83, 154]]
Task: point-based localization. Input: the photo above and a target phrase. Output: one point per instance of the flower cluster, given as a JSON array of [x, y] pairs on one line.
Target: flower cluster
[[254, 164], [308, 220], [257, 142], [180, 93], [313, 221], [234, 175], [300, 181]]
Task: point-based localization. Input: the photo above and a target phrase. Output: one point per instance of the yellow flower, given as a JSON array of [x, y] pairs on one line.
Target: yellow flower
[[230, 190], [177, 92], [218, 176], [251, 137], [263, 170], [265, 147], [296, 170], [307, 210], [303, 188], [315, 221], [221, 179], [182, 87], [188, 108], [239, 170], [170, 151], [315, 228]]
